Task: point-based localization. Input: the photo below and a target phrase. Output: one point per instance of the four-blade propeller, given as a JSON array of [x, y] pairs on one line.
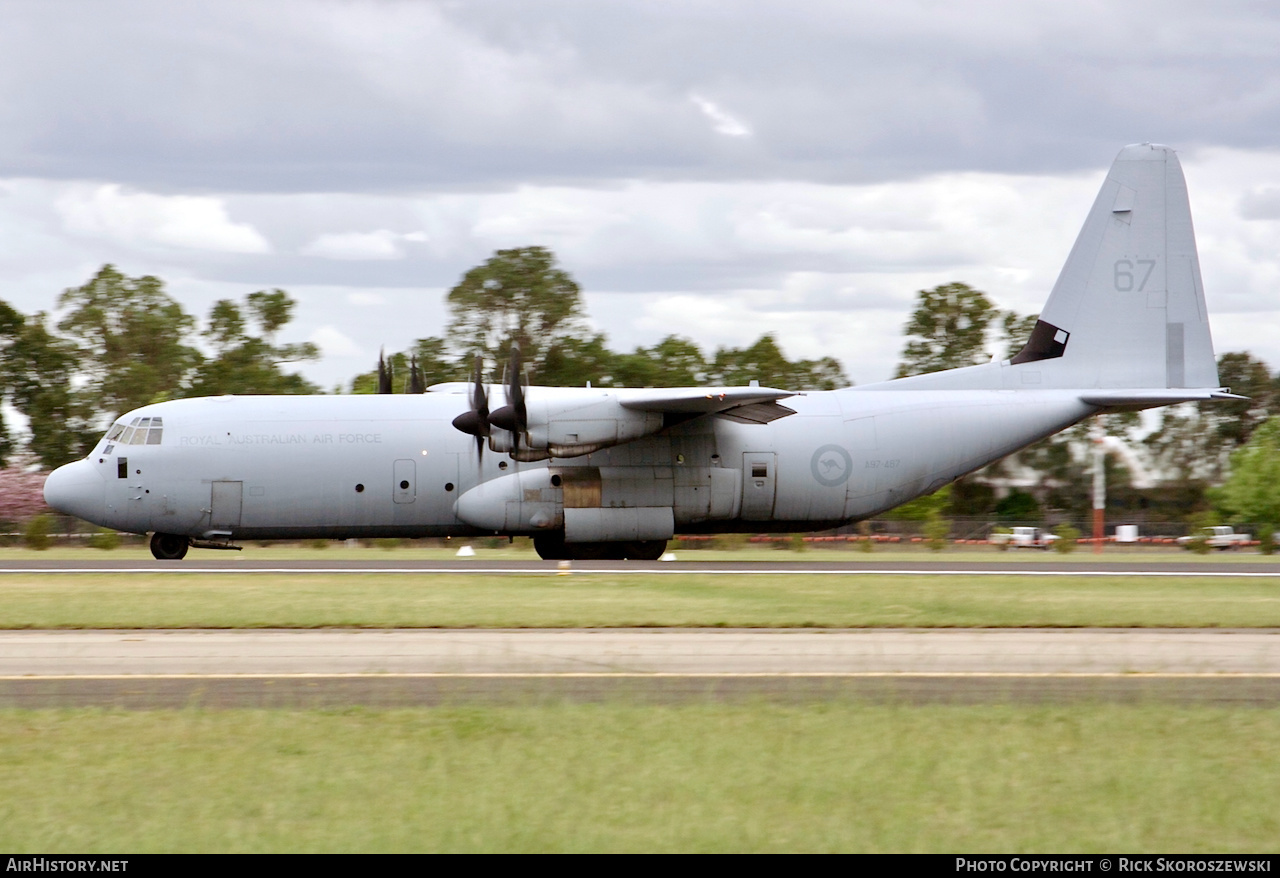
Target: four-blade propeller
[[512, 417], [476, 421]]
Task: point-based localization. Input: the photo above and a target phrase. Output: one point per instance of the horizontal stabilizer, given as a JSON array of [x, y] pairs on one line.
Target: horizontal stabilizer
[[1144, 398]]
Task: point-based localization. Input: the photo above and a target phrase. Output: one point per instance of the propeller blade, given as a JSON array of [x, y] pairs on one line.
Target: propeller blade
[[384, 374], [516, 393], [416, 382], [480, 396], [476, 421], [514, 416]]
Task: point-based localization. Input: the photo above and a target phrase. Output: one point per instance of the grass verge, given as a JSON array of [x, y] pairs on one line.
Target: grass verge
[[425, 551], [828, 777], [305, 600]]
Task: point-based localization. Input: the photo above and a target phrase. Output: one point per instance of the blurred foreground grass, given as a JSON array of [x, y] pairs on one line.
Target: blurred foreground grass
[[592, 600], [493, 549], [827, 777]]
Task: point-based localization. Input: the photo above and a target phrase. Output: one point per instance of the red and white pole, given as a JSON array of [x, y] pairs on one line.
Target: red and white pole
[[1099, 484]]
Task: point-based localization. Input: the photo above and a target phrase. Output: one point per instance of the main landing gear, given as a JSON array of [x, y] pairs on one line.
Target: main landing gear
[[552, 547], [169, 547]]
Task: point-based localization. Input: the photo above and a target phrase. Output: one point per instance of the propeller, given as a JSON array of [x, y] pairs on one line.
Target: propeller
[[514, 416], [476, 421], [384, 374], [416, 382]]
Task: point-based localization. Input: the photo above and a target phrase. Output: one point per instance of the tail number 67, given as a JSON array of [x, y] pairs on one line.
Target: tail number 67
[[1124, 273]]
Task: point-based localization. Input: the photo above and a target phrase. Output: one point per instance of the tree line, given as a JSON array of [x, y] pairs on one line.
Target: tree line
[[1195, 452], [522, 297], [123, 342]]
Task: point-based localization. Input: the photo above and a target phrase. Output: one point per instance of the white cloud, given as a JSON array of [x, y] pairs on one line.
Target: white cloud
[[832, 269], [380, 244], [334, 343], [142, 219], [1261, 204], [721, 121]]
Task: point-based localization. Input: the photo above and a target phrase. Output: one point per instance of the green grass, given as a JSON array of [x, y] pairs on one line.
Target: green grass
[[413, 552], [309, 600], [829, 777]]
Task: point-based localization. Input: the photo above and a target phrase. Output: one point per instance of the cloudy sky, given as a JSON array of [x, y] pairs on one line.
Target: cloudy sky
[[711, 169]]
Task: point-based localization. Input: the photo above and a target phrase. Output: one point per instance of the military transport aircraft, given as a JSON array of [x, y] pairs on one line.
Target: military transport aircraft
[[614, 473]]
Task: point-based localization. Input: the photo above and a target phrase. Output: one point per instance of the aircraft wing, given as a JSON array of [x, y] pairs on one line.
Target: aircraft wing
[[698, 400]]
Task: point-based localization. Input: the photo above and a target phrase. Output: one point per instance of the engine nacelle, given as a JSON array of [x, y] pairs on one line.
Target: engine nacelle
[[567, 425], [587, 502]]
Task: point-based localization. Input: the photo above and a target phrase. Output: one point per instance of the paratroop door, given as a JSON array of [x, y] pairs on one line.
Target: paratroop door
[[758, 484]]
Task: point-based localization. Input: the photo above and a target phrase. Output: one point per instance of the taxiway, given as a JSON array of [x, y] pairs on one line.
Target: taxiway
[[283, 668]]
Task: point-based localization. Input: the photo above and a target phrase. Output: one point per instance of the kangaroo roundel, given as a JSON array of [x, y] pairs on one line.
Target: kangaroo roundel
[[831, 466]]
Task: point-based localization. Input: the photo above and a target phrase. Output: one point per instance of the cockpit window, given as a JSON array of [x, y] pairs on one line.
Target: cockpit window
[[139, 431]]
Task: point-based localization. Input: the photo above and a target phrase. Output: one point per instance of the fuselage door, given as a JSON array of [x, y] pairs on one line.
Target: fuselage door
[[405, 486], [759, 481], [225, 504]]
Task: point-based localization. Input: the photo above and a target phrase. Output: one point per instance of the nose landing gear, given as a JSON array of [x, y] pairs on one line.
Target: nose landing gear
[[169, 547]]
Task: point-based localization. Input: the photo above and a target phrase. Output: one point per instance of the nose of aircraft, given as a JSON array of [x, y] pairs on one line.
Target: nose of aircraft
[[76, 489]]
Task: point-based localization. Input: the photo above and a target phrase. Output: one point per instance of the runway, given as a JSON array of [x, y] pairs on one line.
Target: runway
[[398, 667], [1002, 566]]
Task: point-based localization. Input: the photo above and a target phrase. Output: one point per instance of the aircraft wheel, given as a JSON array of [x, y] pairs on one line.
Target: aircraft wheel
[[551, 547], [594, 551], [169, 547], [645, 550]]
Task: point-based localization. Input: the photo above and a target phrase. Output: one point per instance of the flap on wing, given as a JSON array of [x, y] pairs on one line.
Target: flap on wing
[[756, 413], [1143, 398], [697, 400]]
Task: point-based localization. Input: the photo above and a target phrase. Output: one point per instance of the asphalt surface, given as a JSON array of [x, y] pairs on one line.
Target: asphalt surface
[[161, 669], [234, 562], [154, 669]]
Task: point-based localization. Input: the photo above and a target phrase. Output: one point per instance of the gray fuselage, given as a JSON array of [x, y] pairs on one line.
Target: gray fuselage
[[371, 466]]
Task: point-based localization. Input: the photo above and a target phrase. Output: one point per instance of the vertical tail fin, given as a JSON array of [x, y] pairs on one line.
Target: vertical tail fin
[[1128, 308]]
